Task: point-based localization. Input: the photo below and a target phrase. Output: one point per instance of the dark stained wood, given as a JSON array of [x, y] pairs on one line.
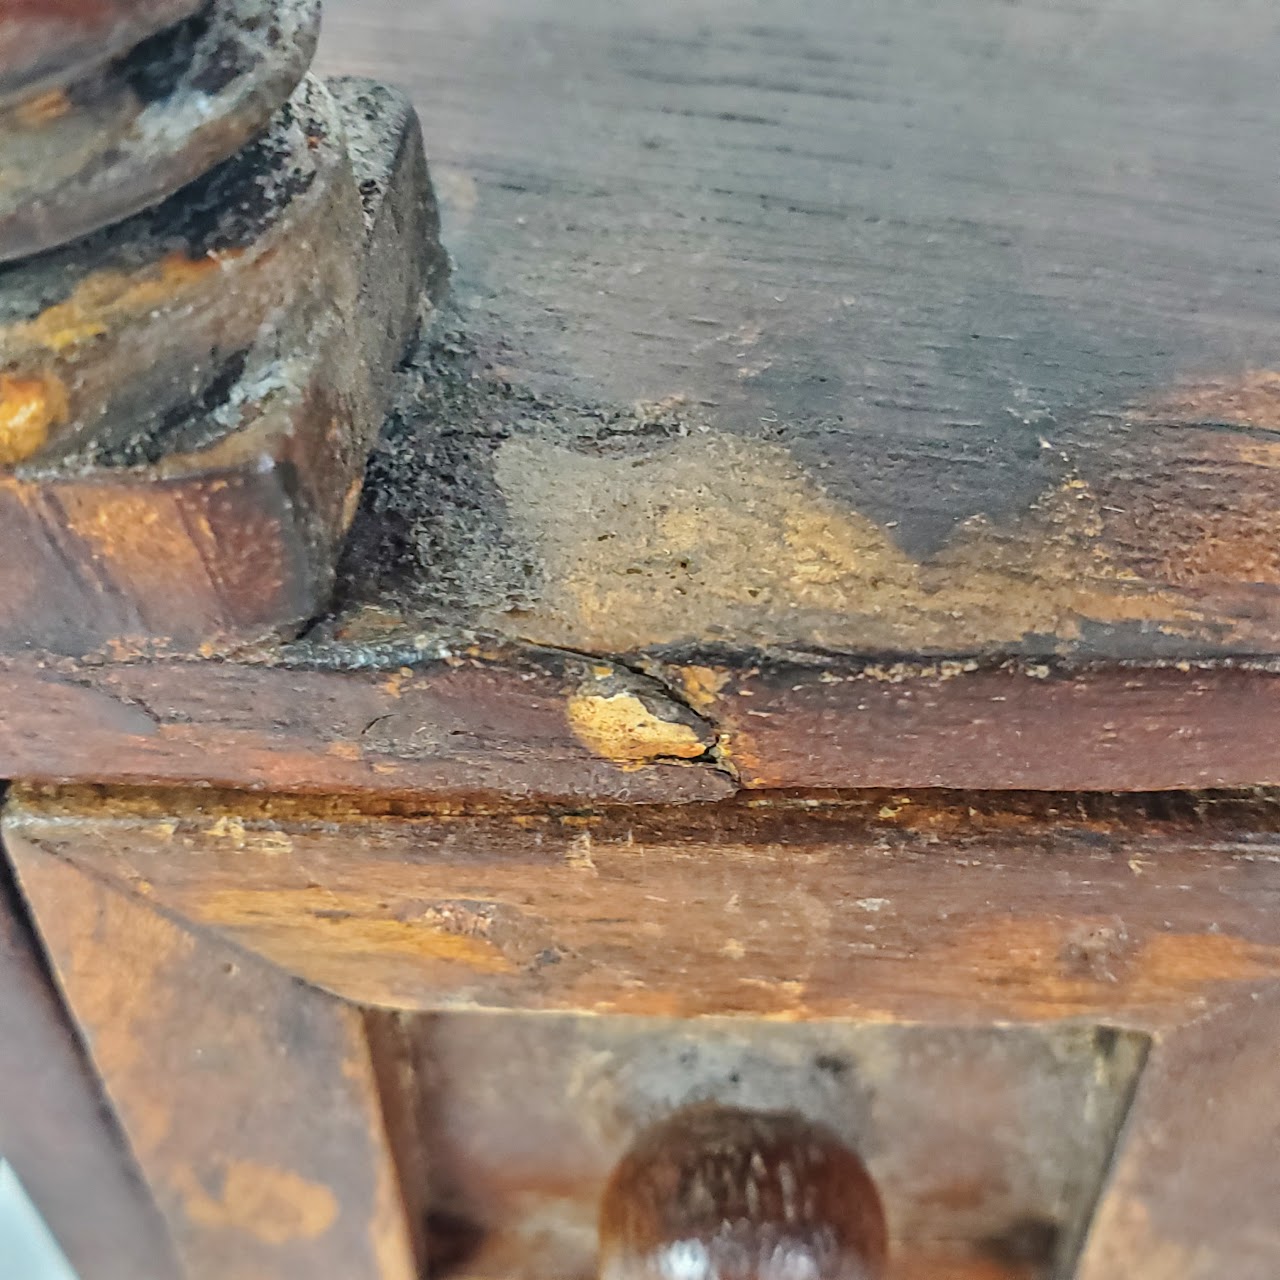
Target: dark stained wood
[[55, 1129], [874, 327], [249, 1101], [768, 1173], [43, 42], [187, 400], [895, 386], [129, 131], [539, 727], [961, 909], [1193, 1192], [814, 338]]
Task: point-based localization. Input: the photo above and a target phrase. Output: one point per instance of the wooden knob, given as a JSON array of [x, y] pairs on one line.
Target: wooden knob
[[718, 1193]]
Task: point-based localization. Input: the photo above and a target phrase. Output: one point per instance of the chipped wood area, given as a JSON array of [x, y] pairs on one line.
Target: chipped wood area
[[850, 327], [470, 728], [379, 712], [881, 908], [912, 436]]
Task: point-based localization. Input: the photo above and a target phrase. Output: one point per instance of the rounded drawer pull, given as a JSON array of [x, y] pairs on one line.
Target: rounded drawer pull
[[720, 1193]]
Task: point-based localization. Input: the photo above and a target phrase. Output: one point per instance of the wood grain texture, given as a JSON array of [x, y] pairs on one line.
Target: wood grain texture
[[393, 712], [1012, 724], [1193, 1191], [812, 339], [745, 943], [399, 1073], [55, 1130], [248, 1101], [880, 328], [461, 728], [958, 909]]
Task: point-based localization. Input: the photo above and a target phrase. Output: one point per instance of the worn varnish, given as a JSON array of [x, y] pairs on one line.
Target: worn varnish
[[249, 1103], [470, 727], [874, 327], [1009, 958], [527, 1117], [43, 43], [834, 395], [187, 399], [961, 909], [126, 332], [1000, 724], [385, 711], [126, 132], [55, 1130]]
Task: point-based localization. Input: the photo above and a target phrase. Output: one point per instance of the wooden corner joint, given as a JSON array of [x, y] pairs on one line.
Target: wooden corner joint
[[232, 968]]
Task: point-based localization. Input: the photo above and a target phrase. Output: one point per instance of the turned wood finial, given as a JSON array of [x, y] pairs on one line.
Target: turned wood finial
[[720, 1193]]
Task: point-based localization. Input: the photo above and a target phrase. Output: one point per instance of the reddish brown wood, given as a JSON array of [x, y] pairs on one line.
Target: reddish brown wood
[[248, 1100], [753, 1192], [188, 399], [56, 1131], [906, 924], [953, 908], [468, 729], [994, 725], [528, 1114], [494, 722], [1194, 1189]]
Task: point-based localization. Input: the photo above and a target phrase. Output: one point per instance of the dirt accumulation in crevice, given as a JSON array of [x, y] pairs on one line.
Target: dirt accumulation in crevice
[[620, 530], [434, 534]]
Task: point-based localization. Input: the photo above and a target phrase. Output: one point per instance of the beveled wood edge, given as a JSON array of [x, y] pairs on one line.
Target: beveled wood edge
[[1149, 1219], [131, 981], [421, 908], [51, 1104], [1194, 1181]]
